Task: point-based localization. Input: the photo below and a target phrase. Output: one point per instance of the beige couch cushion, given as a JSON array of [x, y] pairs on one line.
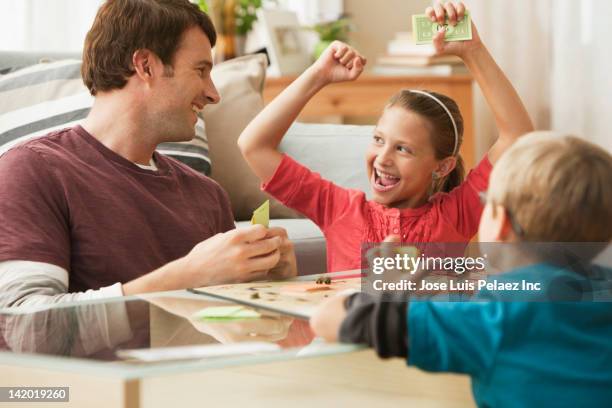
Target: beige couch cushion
[[240, 83], [336, 152]]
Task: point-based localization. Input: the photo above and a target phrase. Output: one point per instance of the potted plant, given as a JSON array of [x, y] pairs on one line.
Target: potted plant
[[233, 19], [330, 31]]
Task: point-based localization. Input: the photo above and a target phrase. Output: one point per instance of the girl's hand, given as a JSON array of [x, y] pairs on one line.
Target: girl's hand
[[339, 63], [455, 13]]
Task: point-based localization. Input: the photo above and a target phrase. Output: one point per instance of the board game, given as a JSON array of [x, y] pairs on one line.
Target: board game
[[294, 297]]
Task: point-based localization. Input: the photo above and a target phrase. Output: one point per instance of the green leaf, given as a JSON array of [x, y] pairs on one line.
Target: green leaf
[[203, 6]]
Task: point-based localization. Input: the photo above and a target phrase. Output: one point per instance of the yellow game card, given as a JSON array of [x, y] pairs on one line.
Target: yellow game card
[[261, 215]]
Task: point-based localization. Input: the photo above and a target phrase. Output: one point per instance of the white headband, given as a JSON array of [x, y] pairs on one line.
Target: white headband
[[447, 111]]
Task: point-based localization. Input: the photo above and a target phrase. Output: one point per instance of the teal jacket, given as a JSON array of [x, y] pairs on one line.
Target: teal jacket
[[528, 353]]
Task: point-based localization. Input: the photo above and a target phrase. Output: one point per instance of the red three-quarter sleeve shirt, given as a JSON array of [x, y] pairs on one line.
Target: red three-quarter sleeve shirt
[[349, 220]]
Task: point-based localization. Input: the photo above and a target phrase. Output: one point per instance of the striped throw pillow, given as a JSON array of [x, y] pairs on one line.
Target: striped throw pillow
[[49, 96]]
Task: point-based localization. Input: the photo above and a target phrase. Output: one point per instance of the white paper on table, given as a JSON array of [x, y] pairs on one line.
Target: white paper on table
[[197, 351]]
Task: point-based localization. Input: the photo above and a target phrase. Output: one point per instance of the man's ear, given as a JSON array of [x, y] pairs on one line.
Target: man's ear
[[145, 64], [445, 166]]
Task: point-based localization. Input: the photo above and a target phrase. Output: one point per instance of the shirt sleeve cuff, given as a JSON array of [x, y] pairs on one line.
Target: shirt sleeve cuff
[[105, 325], [286, 179], [378, 322], [479, 175]]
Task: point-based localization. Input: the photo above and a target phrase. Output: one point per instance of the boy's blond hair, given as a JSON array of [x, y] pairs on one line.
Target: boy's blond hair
[[558, 188]]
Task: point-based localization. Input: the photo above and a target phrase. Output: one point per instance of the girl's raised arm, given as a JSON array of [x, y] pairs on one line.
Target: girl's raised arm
[[260, 139], [511, 117]]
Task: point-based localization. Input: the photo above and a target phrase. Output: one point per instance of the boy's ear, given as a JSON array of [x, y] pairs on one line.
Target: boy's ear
[[503, 225], [445, 166]]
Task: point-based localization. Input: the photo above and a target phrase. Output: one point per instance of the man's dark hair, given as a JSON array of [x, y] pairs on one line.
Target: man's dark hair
[[123, 26]]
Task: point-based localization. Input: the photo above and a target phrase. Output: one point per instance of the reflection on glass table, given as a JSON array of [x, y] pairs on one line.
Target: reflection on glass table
[[104, 335]]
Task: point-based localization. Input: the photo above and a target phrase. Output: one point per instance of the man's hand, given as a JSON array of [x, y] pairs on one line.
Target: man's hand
[[338, 63], [328, 317], [455, 13], [287, 264], [239, 255]]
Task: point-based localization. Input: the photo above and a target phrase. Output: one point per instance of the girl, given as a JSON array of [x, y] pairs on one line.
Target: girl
[[413, 163]]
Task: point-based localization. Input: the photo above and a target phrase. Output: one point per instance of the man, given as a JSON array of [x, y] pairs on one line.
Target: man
[[92, 211]]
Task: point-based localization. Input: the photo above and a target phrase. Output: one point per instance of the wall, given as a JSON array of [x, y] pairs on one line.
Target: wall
[[376, 22], [43, 25]]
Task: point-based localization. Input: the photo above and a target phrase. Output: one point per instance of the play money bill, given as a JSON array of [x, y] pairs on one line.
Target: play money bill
[[424, 29], [262, 215]]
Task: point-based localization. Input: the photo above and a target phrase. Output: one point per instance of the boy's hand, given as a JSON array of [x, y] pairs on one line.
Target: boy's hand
[[455, 13], [328, 317], [338, 63]]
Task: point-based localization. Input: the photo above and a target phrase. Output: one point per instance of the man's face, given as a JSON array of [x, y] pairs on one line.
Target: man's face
[[183, 91]]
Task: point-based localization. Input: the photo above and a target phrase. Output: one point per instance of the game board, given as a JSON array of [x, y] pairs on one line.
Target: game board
[[294, 297]]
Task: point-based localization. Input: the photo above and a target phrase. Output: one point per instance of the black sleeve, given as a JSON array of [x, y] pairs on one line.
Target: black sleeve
[[378, 322]]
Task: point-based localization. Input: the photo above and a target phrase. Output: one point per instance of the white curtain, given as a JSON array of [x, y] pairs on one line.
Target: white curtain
[[44, 25], [554, 54], [310, 12], [581, 98], [517, 33]]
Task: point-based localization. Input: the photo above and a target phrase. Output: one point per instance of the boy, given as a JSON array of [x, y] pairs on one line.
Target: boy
[[535, 352]]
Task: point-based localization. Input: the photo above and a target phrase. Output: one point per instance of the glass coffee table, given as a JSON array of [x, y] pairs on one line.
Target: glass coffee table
[[154, 351]]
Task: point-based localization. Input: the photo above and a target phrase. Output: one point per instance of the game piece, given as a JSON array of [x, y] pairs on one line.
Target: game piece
[[424, 29], [261, 215]]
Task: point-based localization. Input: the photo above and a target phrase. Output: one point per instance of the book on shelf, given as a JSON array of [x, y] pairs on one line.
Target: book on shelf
[[403, 44], [418, 60], [405, 58]]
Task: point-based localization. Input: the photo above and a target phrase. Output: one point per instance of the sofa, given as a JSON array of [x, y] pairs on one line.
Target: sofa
[[42, 92]]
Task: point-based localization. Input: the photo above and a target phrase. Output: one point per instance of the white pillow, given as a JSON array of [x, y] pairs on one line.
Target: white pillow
[[337, 152], [240, 83]]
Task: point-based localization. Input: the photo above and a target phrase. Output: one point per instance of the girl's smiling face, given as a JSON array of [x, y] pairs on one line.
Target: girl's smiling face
[[401, 159]]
